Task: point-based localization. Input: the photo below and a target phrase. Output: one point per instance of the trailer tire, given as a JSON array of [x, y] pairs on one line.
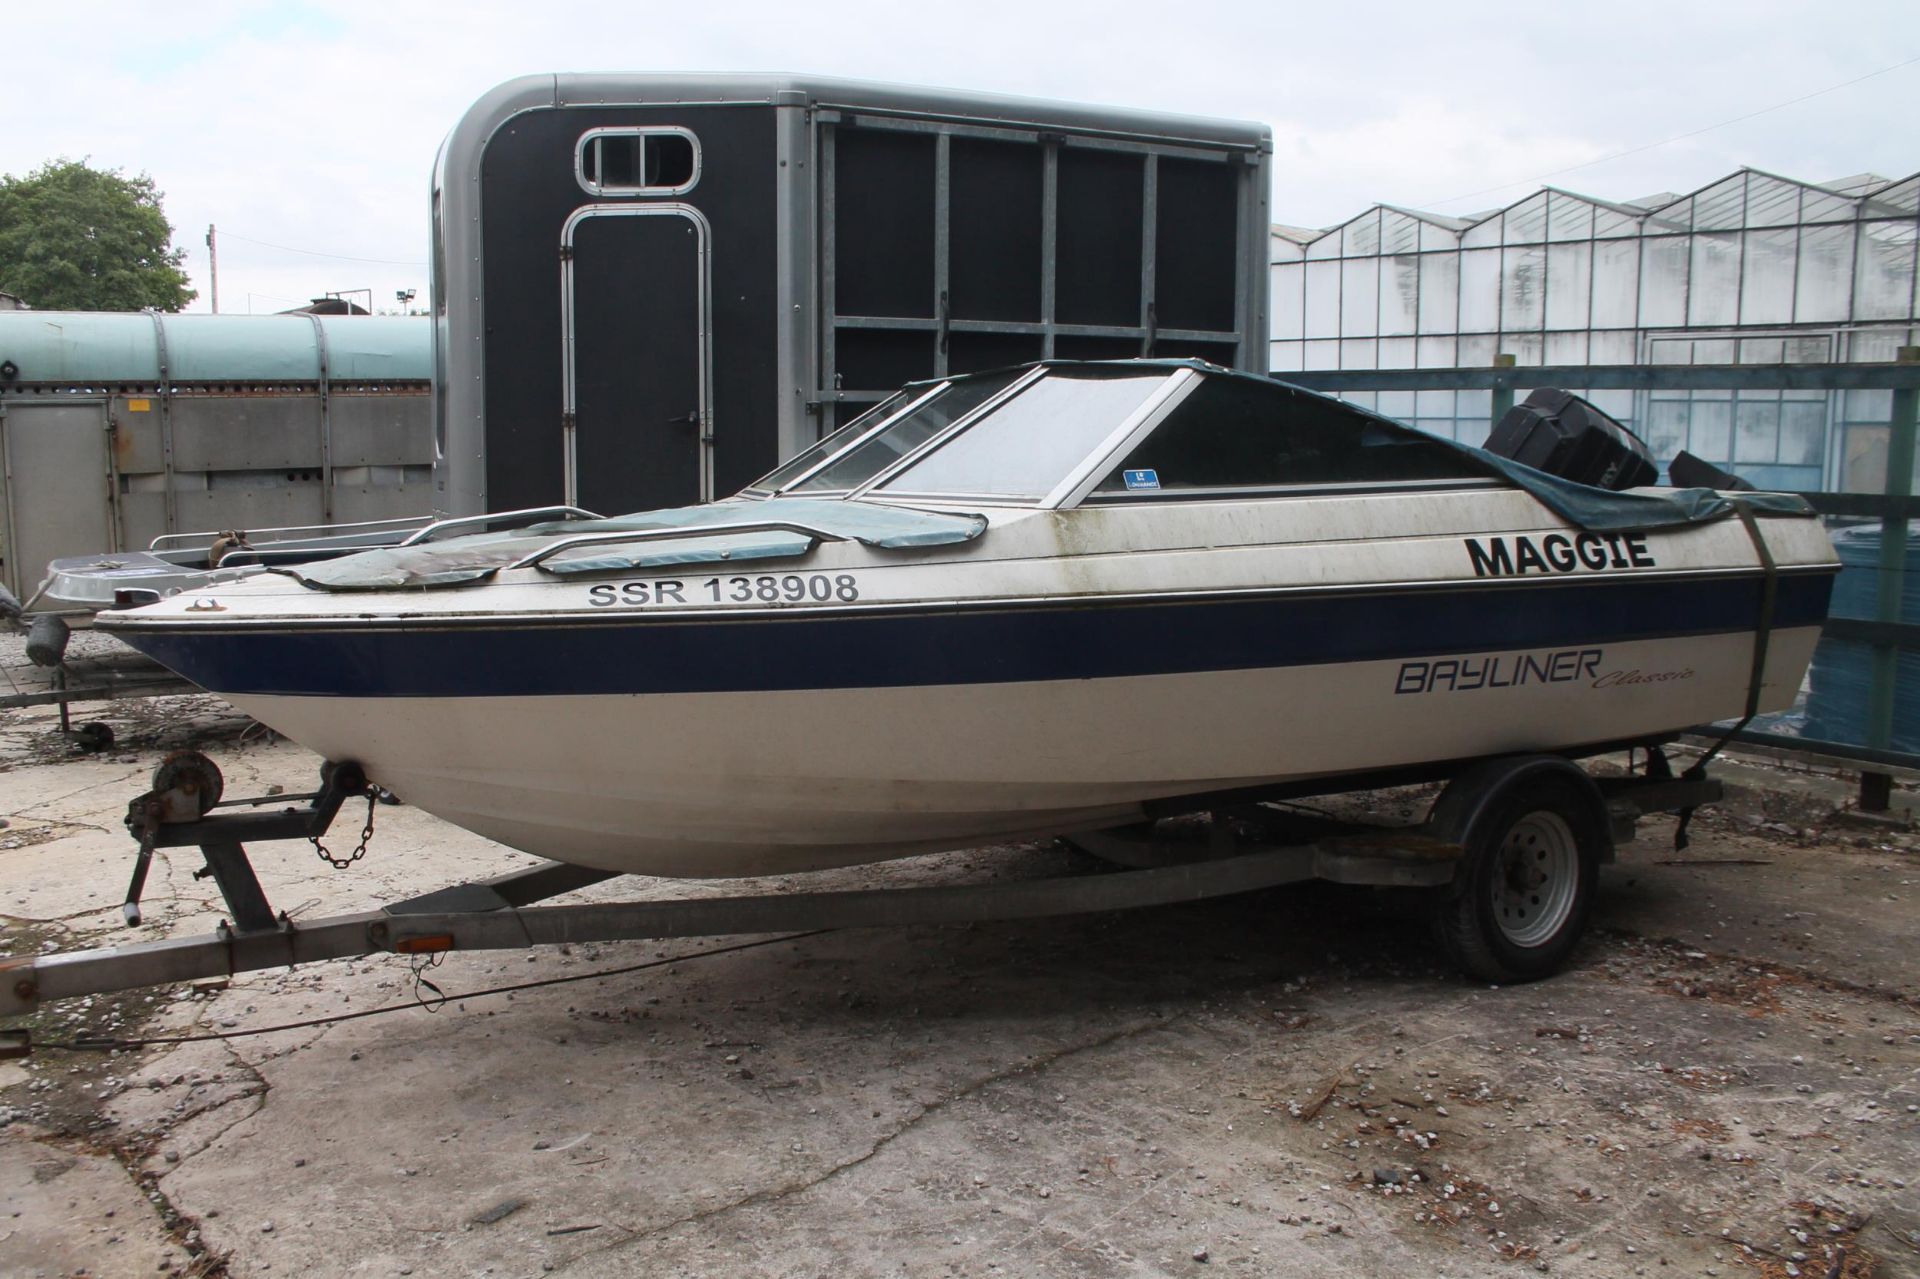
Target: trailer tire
[[1519, 903]]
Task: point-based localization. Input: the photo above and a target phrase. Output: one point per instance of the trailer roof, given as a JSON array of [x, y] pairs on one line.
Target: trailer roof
[[644, 88], [93, 348]]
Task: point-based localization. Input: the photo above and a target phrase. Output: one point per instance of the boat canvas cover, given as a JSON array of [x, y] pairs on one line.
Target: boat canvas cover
[[474, 558], [460, 561]]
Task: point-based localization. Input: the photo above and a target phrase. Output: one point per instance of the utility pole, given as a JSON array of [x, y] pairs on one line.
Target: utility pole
[[213, 267]]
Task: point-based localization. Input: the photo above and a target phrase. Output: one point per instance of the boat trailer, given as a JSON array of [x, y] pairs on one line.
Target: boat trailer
[[1242, 848]]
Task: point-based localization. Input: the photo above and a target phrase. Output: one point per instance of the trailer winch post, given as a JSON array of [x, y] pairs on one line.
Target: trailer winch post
[[178, 813]]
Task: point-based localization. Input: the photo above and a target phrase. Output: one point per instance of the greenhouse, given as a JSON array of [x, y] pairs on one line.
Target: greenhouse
[[1751, 269]]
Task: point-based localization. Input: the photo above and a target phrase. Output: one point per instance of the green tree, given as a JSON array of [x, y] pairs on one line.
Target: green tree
[[76, 238]]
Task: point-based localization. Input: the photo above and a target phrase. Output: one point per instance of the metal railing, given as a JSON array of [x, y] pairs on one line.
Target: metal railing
[[1895, 506]]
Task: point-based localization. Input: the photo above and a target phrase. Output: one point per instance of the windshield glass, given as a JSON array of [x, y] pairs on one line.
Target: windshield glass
[[905, 433], [806, 459], [1242, 433], [1028, 445]]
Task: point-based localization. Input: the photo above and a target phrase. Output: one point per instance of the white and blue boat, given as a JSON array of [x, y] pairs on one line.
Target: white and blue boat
[[1009, 604]]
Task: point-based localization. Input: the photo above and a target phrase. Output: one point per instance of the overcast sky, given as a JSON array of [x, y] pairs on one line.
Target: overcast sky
[[314, 126]]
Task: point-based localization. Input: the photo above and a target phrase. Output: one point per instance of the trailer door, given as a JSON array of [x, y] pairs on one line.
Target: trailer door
[[635, 300], [58, 487]]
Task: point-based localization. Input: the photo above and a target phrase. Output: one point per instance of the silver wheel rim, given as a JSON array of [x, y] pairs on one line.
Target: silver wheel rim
[[1535, 878]]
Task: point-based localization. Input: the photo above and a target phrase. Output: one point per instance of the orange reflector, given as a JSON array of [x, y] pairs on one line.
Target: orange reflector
[[429, 945]]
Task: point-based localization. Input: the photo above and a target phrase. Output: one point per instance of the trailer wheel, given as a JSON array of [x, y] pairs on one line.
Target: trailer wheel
[[1520, 901]]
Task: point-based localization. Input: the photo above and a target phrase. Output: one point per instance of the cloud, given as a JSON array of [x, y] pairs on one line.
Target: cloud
[[315, 125]]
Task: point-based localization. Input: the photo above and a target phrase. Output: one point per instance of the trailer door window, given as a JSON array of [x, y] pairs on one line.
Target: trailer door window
[[663, 160]]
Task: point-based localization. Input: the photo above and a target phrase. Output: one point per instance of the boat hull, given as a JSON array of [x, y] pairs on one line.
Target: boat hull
[[1059, 672], [771, 781]]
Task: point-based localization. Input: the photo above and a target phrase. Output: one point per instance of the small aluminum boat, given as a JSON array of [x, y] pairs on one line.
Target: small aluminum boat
[[1010, 604]]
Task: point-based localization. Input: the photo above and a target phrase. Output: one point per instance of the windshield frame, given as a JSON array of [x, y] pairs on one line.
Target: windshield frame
[[953, 428], [907, 404], [1175, 385]]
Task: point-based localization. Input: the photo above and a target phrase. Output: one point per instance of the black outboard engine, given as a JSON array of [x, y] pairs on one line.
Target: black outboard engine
[[1689, 472], [1561, 434]]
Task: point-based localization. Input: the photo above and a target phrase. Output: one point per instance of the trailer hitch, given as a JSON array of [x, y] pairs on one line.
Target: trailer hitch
[[178, 811]]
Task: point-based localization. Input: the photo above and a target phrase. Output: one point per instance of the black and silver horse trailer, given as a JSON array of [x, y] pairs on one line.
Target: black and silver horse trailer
[[649, 289]]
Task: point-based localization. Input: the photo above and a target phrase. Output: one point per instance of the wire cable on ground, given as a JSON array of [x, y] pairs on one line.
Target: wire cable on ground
[[90, 1043]]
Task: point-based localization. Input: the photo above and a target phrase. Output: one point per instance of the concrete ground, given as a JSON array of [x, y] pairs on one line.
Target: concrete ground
[[1726, 1082]]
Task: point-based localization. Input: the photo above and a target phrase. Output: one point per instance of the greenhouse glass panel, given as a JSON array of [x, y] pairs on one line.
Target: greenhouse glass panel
[[1710, 431], [1327, 246], [1569, 285], [1280, 249], [1360, 399], [1475, 406], [1397, 405], [1525, 348], [1479, 290], [1811, 348], [1615, 347], [1286, 357], [1666, 431], [1713, 351], [1762, 350], [1399, 294], [1756, 430], [1361, 237], [1437, 352], [1820, 205], [1359, 297], [1444, 427], [1874, 346], [1883, 278], [1677, 216], [1867, 406], [1323, 355], [1899, 197], [1663, 282], [1615, 404], [1720, 206], [1476, 351], [1396, 353], [1771, 201], [1713, 293], [1766, 294], [1398, 232], [1825, 274], [1438, 237], [1566, 348], [1323, 299], [1287, 284], [1568, 217], [1439, 292], [1666, 350], [1616, 284], [1863, 461], [1612, 223], [1481, 233], [1803, 433], [1359, 353], [1433, 403], [1527, 221], [1524, 292]]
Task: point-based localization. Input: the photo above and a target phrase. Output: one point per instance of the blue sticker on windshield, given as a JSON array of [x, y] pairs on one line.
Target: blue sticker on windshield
[[1141, 479]]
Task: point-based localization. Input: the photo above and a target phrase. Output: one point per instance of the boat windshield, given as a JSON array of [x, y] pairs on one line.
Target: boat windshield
[[1023, 448], [805, 460], [933, 414]]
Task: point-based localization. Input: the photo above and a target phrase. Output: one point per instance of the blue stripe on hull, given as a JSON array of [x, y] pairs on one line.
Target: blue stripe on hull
[[658, 653]]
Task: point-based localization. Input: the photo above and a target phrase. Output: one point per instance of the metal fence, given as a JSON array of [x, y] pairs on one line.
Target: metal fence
[[1874, 734]]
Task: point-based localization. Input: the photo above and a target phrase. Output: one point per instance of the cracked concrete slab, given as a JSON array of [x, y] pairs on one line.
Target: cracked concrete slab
[[1283, 1083]]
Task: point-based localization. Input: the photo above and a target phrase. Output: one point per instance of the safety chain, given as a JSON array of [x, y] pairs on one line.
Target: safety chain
[[366, 833]]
